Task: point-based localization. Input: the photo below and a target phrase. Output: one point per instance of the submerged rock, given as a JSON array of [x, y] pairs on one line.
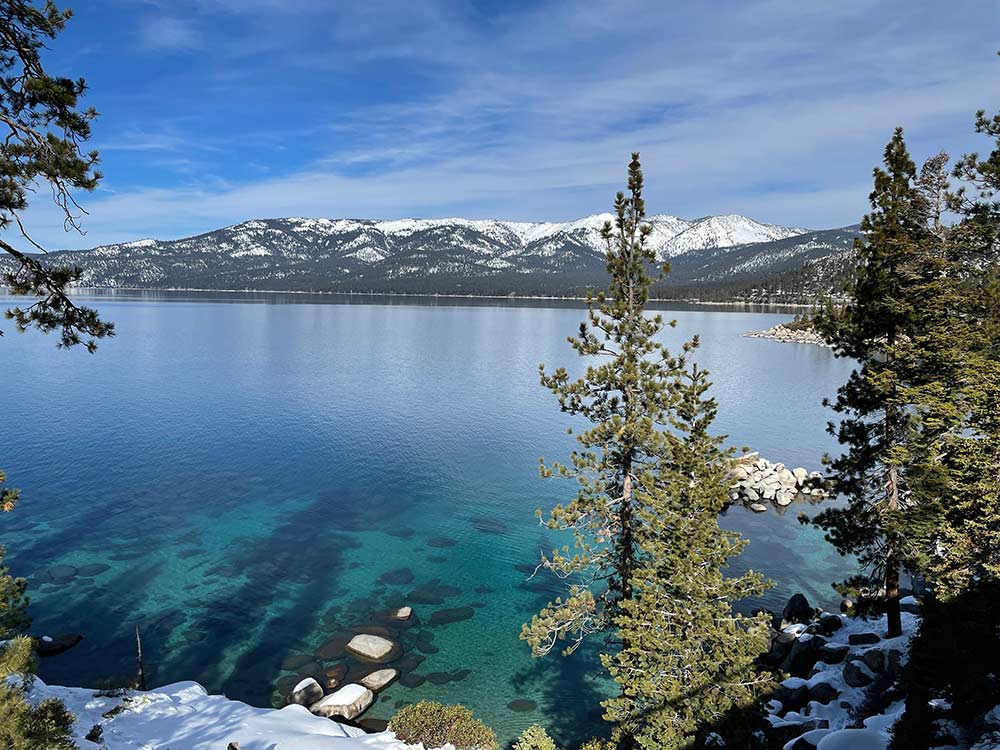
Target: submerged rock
[[522, 705], [448, 616], [397, 577], [412, 680], [334, 676], [53, 646]]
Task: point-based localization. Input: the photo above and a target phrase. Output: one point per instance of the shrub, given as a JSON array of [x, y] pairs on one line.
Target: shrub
[[534, 738], [435, 725]]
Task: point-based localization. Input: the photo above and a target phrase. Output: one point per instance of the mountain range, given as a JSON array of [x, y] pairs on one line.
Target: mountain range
[[713, 254]]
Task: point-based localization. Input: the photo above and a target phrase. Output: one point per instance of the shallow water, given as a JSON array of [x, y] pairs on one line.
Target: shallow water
[[237, 476]]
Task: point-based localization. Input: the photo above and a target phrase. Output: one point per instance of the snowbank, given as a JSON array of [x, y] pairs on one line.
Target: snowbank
[[184, 715]]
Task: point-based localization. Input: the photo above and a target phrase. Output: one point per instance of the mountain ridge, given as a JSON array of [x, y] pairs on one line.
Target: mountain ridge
[[450, 255]]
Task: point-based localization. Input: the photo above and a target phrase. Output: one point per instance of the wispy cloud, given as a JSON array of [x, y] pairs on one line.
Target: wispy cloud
[[167, 33]]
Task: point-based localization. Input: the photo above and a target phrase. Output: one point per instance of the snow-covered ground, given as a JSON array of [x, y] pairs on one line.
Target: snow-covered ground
[[183, 716]]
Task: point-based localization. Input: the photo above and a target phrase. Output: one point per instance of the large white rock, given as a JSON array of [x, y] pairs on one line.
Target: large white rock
[[372, 647], [800, 474], [787, 478], [348, 703], [379, 679], [403, 613]]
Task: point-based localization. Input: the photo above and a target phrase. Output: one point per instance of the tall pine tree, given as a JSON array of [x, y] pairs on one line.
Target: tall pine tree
[[957, 514], [646, 568], [877, 427]]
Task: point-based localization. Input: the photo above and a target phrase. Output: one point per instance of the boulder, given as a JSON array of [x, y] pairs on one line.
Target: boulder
[[373, 648], [768, 492], [800, 474], [874, 659], [863, 639], [738, 474], [306, 692], [783, 498], [846, 606], [787, 478], [752, 494], [379, 679], [832, 653], [347, 703], [830, 623], [791, 698], [781, 644], [803, 656], [758, 507], [856, 675], [797, 610], [823, 692], [52, 646], [403, 613]]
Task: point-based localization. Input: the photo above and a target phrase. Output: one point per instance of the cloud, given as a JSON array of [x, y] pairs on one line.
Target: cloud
[[441, 109], [165, 33]]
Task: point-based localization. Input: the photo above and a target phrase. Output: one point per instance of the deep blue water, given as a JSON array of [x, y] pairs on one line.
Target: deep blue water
[[247, 470]]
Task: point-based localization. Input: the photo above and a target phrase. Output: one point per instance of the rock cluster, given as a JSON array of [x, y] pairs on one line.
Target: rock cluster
[[755, 481], [787, 335], [345, 701], [840, 670]]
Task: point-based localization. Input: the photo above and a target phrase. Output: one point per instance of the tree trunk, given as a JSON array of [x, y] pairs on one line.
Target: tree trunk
[[893, 617]]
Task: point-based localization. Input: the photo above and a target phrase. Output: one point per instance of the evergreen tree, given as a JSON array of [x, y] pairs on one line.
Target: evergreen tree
[[952, 517], [43, 135], [644, 519], [876, 328], [687, 661]]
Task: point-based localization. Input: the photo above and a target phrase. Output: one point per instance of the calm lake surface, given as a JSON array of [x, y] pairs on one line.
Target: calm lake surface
[[249, 480]]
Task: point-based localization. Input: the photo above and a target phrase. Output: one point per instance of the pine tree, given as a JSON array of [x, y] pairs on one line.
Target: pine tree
[[650, 489], [956, 513], [43, 133], [687, 662], [877, 428]]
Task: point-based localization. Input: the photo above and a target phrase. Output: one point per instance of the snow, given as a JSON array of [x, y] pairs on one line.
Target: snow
[[839, 734], [184, 715], [852, 739]]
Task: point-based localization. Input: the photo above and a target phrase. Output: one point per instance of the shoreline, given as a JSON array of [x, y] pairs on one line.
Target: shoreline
[[104, 291]]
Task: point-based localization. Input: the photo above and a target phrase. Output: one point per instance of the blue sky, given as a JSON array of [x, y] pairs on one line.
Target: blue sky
[[217, 111]]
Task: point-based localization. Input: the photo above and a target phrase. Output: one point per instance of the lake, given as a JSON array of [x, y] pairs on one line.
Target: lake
[[249, 478]]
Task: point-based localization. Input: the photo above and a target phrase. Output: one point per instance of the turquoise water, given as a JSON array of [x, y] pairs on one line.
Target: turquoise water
[[239, 477]]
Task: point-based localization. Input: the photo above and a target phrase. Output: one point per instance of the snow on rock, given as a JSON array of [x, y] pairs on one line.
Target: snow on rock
[[183, 716], [832, 722]]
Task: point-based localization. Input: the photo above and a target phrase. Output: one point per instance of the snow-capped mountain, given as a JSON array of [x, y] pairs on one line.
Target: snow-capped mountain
[[429, 255]]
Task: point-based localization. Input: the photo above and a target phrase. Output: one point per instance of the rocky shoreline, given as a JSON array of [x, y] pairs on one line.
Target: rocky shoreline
[[786, 335]]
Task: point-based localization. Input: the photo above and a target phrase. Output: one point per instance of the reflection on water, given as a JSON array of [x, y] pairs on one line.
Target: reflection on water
[[253, 481]]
